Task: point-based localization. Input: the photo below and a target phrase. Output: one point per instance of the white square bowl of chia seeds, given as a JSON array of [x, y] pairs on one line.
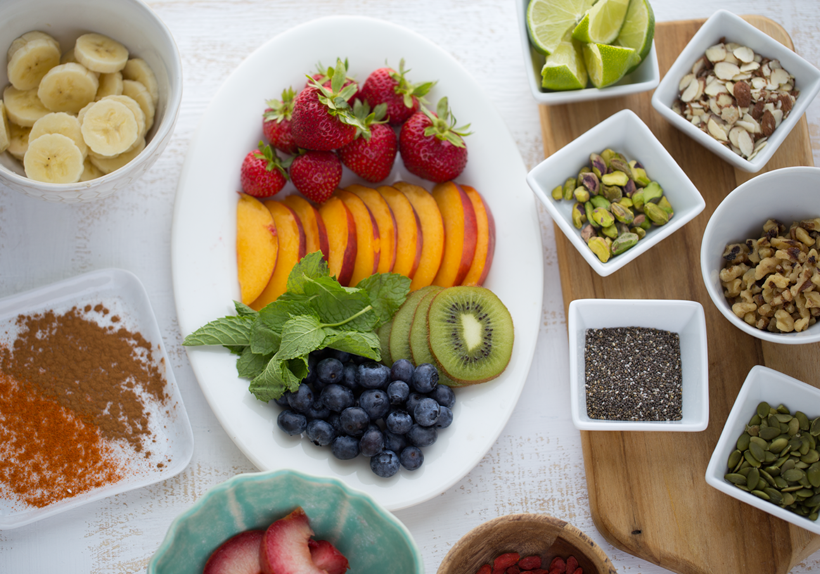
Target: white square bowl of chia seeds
[[763, 384], [638, 365]]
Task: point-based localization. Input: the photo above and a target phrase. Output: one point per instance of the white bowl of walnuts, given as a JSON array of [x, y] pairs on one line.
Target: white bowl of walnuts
[[89, 102]]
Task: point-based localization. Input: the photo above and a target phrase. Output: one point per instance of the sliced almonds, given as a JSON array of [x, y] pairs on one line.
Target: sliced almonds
[[109, 127], [53, 158]]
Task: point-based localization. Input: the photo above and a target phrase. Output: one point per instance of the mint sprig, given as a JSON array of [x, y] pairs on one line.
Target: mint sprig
[[315, 312]]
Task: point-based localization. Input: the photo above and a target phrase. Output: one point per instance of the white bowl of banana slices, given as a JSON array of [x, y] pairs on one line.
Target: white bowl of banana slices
[[91, 94]]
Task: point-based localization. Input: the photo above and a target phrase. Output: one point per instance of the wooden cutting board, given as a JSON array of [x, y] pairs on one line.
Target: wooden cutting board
[[647, 491]]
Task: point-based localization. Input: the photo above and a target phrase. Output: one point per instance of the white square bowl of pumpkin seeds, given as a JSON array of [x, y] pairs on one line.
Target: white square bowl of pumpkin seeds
[[774, 388]]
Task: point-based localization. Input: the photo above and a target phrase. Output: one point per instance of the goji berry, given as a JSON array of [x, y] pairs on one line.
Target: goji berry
[[572, 564], [579, 570], [539, 571], [499, 571], [514, 570], [530, 563], [506, 560], [558, 565], [486, 569]]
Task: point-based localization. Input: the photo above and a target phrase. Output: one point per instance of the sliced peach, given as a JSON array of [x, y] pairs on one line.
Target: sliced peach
[[409, 240], [459, 233], [385, 221], [341, 238], [312, 223], [485, 240], [367, 236], [285, 548], [432, 230], [291, 249], [256, 247]]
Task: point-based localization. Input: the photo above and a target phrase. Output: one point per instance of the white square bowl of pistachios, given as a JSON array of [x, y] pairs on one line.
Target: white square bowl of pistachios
[[767, 385], [625, 133], [744, 127]]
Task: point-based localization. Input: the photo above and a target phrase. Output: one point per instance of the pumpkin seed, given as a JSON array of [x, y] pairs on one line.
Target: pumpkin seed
[[801, 465], [815, 427], [780, 483], [736, 478], [805, 493], [813, 472], [734, 458], [774, 495], [783, 410], [757, 451], [743, 442], [788, 465], [811, 457], [788, 499], [752, 478], [794, 426], [793, 475], [768, 433], [753, 430], [763, 409], [792, 488], [772, 470], [783, 418], [803, 420], [767, 477], [777, 445], [761, 494]]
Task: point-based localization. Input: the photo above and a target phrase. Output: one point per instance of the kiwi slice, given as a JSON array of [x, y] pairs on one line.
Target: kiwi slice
[[471, 334], [384, 342], [402, 320], [419, 335]]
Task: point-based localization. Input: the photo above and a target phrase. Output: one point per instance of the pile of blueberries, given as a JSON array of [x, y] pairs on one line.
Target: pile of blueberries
[[357, 407]]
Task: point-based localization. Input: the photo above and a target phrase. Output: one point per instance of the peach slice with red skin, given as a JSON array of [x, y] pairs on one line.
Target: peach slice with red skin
[[460, 233], [368, 242], [432, 229], [285, 547], [385, 221], [291, 249], [237, 555], [341, 239], [409, 240], [327, 557], [312, 223], [485, 239], [257, 247]]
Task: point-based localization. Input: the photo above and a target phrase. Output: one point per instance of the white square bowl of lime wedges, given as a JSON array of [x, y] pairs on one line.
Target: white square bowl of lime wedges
[[572, 46]]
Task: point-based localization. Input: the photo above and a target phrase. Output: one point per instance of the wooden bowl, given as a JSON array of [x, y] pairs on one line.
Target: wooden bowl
[[527, 534]]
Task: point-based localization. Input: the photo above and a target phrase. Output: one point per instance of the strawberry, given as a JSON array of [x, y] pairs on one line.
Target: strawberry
[[276, 122], [371, 154], [327, 557], [324, 75], [316, 174], [387, 86], [263, 173], [322, 119], [431, 146]]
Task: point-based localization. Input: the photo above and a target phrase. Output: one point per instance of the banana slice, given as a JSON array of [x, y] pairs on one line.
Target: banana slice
[[5, 132], [69, 57], [139, 93], [23, 107], [90, 171], [109, 164], [18, 141], [31, 62], [135, 108], [68, 88], [110, 85], [81, 113], [136, 69], [59, 123], [29, 37], [109, 127], [100, 53], [53, 158]]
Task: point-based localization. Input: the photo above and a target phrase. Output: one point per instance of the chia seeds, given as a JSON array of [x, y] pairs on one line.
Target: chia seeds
[[633, 374]]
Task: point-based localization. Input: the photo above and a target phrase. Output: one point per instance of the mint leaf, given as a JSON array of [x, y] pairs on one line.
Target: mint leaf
[[264, 340], [364, 344], [276, 314], [387, 292], [337, 305], [276, 379], [243, 310], [233, 331], [300, 335], [312, 266], [250, 364]]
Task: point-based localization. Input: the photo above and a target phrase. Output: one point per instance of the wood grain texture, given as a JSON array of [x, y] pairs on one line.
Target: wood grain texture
[[647, 491]]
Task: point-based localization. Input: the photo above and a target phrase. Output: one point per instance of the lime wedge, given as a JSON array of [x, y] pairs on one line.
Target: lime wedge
[[565, 69], [549, 20], [638, 30], [607, 64], [602, 23]]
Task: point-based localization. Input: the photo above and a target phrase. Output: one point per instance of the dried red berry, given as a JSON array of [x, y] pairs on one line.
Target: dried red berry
[[558, 565], [506, 560], [530, 563], [514, 570], [572, 564], [486, 569]]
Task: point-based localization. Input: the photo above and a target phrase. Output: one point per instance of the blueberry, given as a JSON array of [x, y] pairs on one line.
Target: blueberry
[[373, 375], [421, 436], [337, 398], [341, 356], [385, 464], [329, 371], [444, 396], [283, 400], [394, 442], [445, 418], [411, 458], [398, 422], [302, 399], [402, 370], [397, 392], [425, 378], [335, 421], [318, 410], [413, 400], [291, 422], [358, 359], [426, 412], [350, 379], [372, 442], [354, 421], [375, 403], [320, 432], [344, 447], [312, 362]]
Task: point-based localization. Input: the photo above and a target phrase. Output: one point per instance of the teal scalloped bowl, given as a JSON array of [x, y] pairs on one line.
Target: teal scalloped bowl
[[372, 539]]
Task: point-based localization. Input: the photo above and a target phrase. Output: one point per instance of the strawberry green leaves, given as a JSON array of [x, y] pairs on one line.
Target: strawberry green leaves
[[443, 124], [314, 313]]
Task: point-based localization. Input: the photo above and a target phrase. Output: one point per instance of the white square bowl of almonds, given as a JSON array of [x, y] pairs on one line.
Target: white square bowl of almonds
[[736, 91], [759, 256], [88, 102]]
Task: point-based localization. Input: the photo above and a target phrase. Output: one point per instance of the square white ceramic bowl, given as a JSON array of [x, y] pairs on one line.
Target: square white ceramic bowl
[[645, 78], [724, 24], [761, 384], [686, 318], [625, 133]]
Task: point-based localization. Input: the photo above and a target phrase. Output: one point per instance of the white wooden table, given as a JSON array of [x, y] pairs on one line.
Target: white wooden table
[[536, 465]]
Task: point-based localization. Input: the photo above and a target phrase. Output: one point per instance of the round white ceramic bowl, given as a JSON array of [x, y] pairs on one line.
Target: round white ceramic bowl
[[787, 195], [130, 22]]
